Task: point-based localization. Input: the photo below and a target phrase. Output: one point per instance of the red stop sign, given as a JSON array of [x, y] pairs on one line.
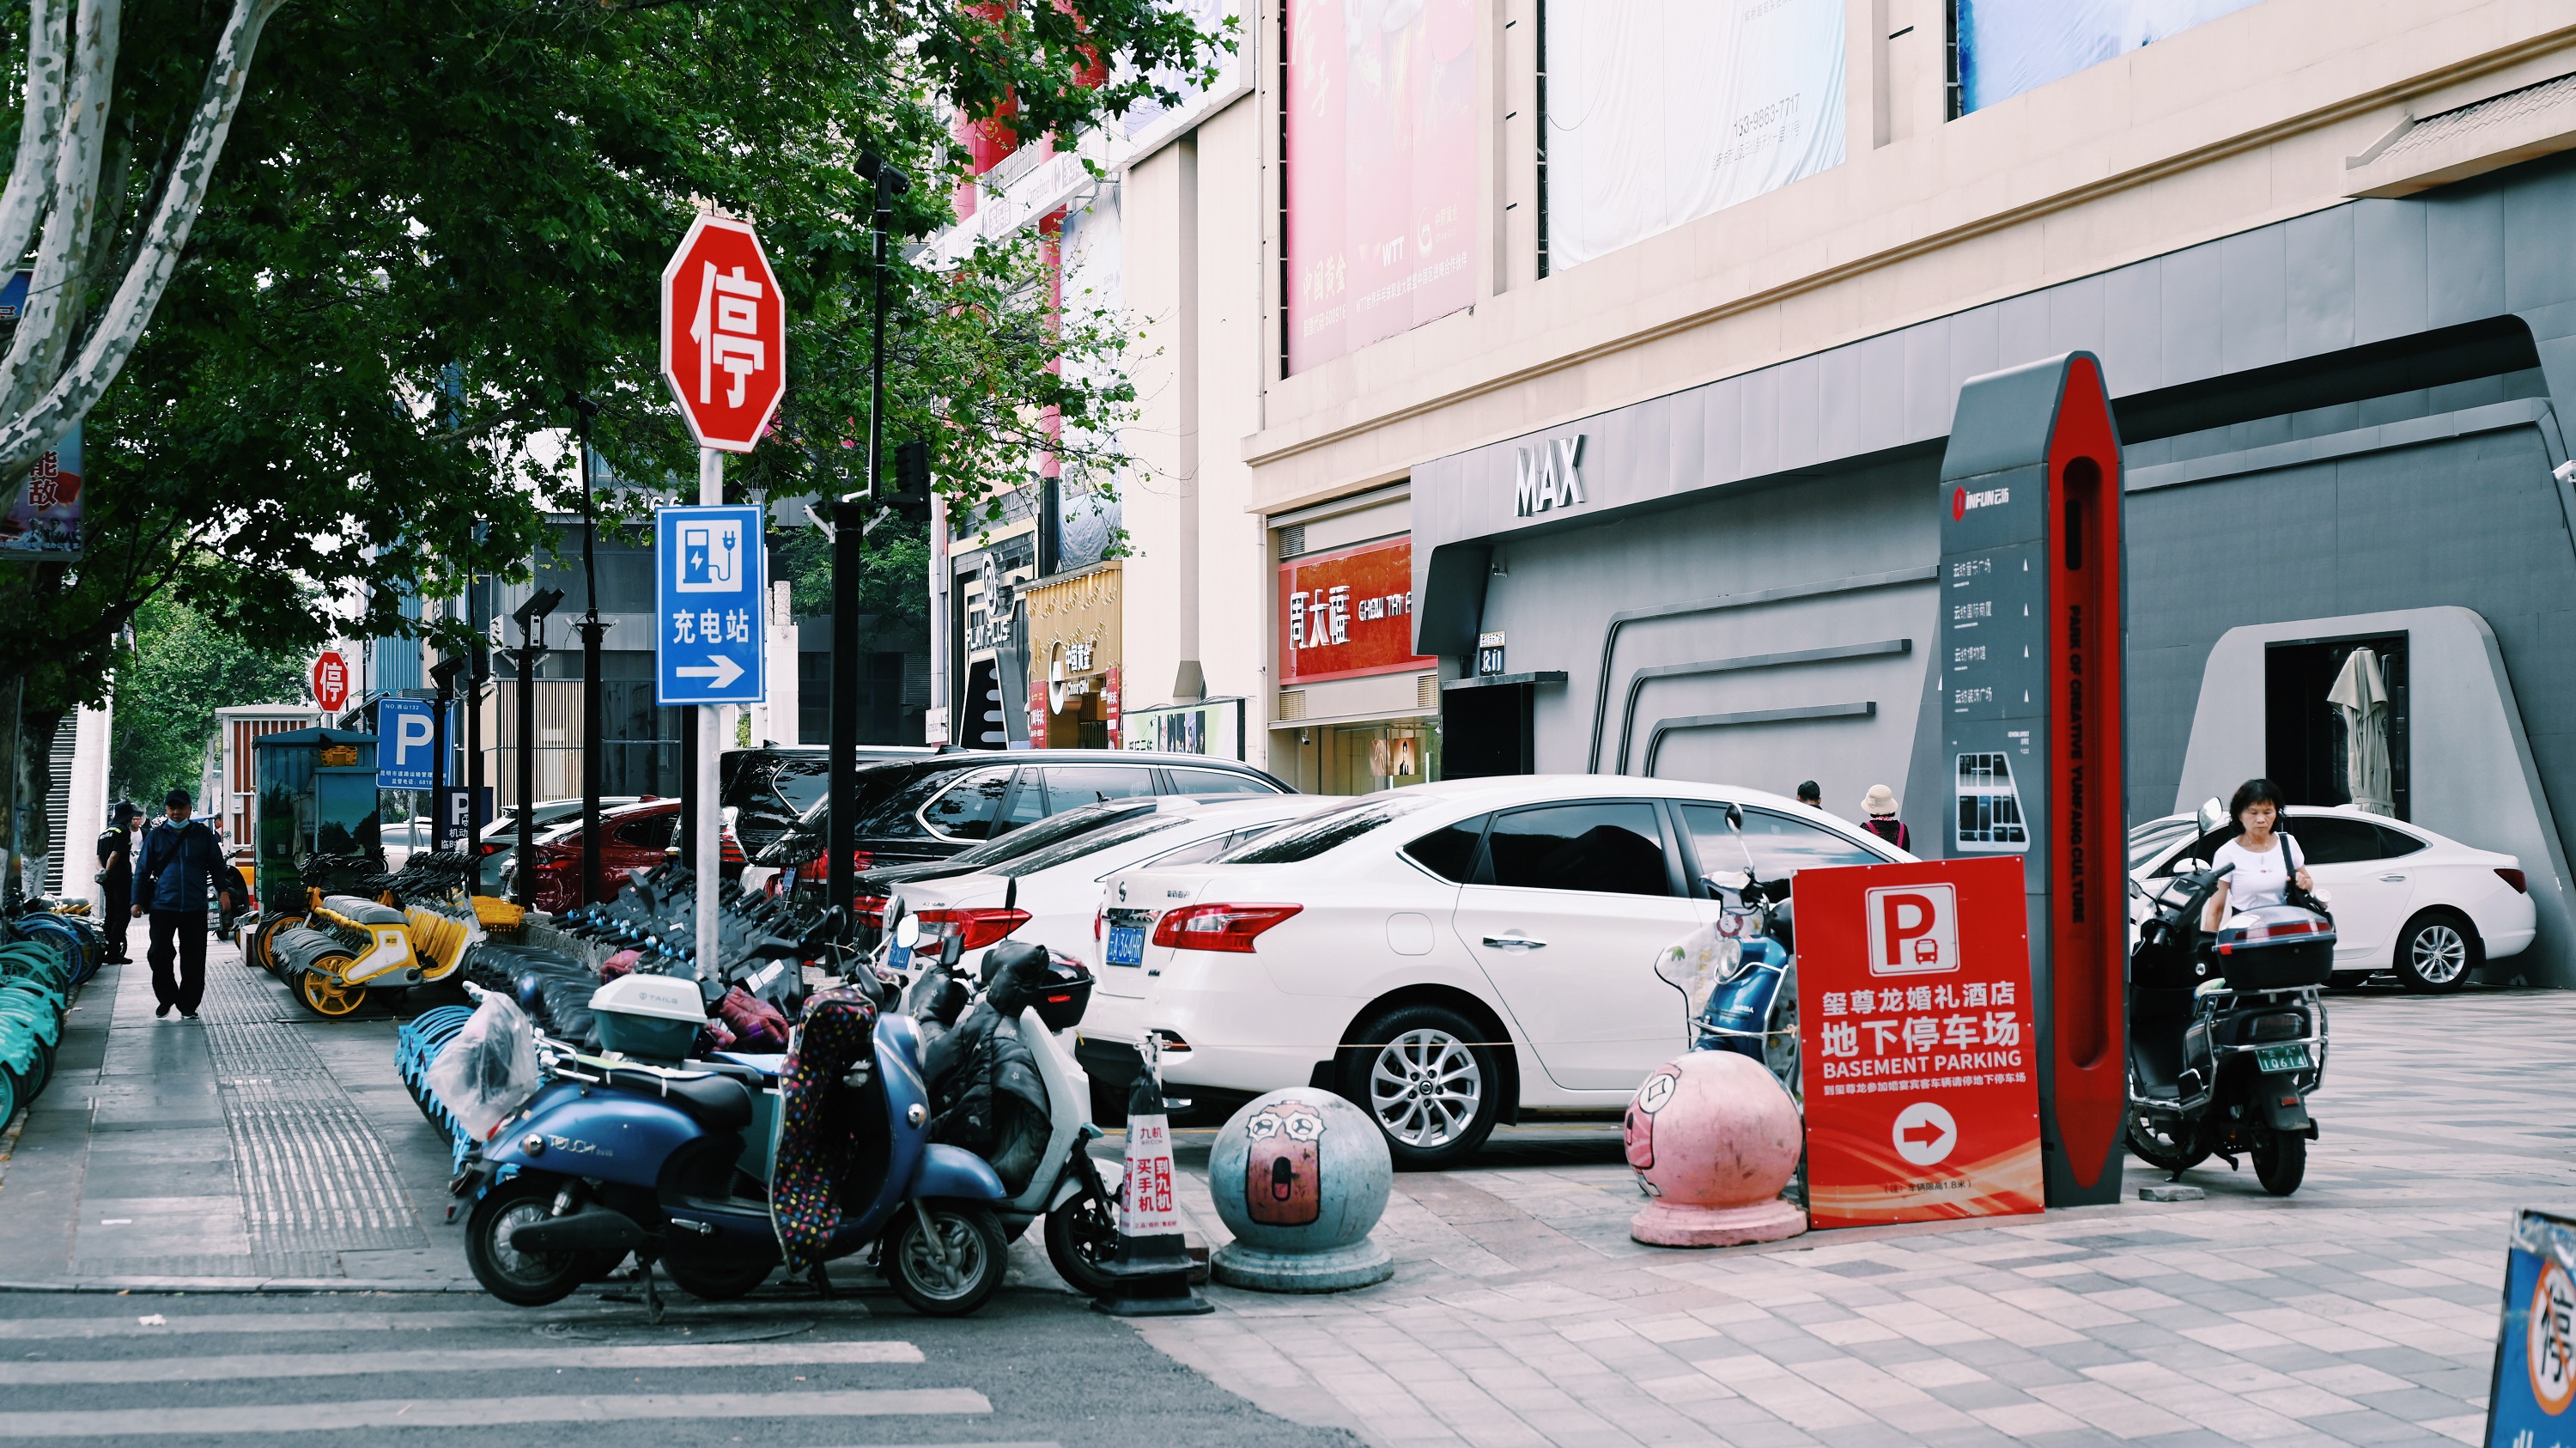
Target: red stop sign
[[724, 334], [331, 682]]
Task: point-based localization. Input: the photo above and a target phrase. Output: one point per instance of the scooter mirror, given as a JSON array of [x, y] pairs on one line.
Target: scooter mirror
[[1734, 816], [907, 932], [1736, 880], [2212, 814]]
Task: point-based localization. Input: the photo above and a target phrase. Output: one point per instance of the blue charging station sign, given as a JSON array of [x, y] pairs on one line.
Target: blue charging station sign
[[407, 743], [707, 595]]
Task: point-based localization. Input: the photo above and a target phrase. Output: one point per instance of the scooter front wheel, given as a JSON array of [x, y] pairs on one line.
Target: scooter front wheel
[[1082, 1235], [952, 1269], [522, 1279]]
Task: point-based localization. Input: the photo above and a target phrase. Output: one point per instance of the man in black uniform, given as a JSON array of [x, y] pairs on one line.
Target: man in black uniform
[[180, 861], [116, 878]]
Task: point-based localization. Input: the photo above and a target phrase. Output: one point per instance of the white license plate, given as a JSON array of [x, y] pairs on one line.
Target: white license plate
[[2269, 1059], [1126, 945]]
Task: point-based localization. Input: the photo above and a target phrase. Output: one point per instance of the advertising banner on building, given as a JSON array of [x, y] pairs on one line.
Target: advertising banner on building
[[1381, 170], [1916, 1030], [2010, 46], [1663, 111], [1348, 612], [1211, 726], [44, 518]]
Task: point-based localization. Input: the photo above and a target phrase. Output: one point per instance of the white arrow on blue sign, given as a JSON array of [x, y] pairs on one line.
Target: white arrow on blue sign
[[707, 594]]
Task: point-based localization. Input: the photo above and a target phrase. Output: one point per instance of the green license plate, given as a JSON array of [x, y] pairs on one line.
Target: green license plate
[[2269, 1059]]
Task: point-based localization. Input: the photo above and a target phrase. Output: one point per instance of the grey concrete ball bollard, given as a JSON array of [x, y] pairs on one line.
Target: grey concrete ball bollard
[[1300, 1177]]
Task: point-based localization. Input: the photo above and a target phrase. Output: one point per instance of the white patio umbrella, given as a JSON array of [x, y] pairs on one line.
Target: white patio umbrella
[[2360, 695]]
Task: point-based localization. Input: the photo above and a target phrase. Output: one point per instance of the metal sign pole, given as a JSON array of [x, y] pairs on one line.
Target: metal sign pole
[[710, 819]]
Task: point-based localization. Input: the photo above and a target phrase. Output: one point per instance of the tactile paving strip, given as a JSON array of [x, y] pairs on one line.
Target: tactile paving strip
[[315, 1179]]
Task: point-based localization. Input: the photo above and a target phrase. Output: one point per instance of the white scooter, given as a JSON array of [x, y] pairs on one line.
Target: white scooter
[[1030, 997]]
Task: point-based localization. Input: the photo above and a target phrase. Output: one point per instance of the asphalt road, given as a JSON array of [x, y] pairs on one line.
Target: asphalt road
[[359, 1369]]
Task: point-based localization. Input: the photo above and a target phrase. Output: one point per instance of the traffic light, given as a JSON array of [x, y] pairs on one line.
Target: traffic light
[[911, 496]]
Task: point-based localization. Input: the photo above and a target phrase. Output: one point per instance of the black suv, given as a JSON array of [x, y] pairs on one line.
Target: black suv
[[928, 809], [768, 788]]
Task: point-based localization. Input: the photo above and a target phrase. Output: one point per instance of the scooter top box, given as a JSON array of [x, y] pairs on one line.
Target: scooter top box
[[2276, 947], [654, 1016]]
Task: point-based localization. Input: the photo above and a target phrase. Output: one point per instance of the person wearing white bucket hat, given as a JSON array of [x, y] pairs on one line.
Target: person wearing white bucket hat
[[1880, 805]]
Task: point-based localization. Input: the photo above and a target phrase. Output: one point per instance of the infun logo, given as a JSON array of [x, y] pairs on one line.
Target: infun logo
[[1961, 500]]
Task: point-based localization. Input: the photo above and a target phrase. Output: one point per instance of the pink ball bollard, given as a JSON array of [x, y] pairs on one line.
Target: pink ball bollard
[[1713, 1139]]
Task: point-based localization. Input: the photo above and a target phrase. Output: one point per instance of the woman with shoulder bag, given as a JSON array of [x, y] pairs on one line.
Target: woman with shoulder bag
[[2269, 864]]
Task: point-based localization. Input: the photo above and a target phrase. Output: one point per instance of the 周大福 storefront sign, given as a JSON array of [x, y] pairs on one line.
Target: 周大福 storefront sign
[[1348, 612], [1919, 1048]]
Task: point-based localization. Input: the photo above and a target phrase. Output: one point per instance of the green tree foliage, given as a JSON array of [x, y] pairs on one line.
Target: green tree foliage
[[184, 668], [434, 216]]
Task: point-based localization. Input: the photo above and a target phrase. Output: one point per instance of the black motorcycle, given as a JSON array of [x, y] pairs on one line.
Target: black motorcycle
[[2227, 1032]]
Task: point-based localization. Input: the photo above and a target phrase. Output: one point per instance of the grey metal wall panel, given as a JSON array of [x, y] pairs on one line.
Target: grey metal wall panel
[[1839, 402], [1758, 421], [2075, 313], [2194, 324], [1882, 392], [2254, 297], [2388, 270], [2021, 330], [2539, 261], [1800, 446], [1928, 390], [2317, 266], [2467, 233], [2133, 343]]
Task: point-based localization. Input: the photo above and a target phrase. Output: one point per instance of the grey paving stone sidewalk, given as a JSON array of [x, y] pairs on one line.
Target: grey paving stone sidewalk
[[2360, 1311]]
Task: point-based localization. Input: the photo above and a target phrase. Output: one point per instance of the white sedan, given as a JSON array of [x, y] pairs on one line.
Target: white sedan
[[1446, 954], [2404, 898], [1051, 896]]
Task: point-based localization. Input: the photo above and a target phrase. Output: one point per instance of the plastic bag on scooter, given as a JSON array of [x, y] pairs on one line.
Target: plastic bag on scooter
[[490, 1069]]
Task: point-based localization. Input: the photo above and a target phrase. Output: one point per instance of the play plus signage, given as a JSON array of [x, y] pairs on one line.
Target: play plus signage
[[1918, 1042]]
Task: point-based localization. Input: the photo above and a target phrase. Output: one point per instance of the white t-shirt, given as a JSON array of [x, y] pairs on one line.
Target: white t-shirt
[[2259, 879]]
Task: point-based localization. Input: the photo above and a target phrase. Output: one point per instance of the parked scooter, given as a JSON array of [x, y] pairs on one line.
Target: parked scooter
[[1739, 975], [1004, 1082], [2227, 1033], [674, 1163]]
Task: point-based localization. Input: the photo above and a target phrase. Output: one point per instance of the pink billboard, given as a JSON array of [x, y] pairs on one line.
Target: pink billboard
[[1381, 170]]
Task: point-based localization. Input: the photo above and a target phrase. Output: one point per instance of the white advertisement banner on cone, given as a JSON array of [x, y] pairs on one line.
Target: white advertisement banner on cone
[[1145, 1201]]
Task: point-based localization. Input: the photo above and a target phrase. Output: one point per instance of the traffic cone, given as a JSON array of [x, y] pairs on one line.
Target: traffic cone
[[1151, 1274]]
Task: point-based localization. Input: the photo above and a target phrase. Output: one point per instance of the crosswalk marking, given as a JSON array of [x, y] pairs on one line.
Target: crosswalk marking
[[279, 1418], [532, 1358], [44, 1329]]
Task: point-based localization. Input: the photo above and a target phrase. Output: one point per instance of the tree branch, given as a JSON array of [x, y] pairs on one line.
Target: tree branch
[[45, 326], [30, 177], [26, 436]]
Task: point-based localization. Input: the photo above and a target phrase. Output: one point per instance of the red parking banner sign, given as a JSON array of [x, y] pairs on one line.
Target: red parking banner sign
[[1920, 1050]]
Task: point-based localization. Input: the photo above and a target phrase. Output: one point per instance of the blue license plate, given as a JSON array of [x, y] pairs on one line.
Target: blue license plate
[[1126, 945], [898, 957]]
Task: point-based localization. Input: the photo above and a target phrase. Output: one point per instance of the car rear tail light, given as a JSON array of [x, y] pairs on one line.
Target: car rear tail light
[[819, 868], [979, 927], [1099, 923], [870, 910], [2520, 883], [1219, 927]]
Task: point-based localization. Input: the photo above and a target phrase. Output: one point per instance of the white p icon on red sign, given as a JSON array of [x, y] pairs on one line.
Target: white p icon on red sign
[[1913, 929]]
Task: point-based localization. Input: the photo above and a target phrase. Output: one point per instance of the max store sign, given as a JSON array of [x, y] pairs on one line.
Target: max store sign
[[1550, 475]]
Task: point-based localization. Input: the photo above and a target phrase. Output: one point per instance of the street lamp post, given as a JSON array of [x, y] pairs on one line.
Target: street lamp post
[[583, 410], [531, 616], [849, 548], [440, 786]]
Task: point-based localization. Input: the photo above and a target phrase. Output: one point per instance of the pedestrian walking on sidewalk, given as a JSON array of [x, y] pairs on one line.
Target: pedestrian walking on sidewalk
[[116, 878], [1880, 805], [181, 863]]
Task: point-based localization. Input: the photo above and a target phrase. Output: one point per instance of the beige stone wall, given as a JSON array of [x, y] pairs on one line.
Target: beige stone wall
[[2237, 123]]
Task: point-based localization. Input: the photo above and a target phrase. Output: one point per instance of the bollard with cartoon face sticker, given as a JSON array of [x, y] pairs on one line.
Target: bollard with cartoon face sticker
[[1639, 1130], [1283, 1182]]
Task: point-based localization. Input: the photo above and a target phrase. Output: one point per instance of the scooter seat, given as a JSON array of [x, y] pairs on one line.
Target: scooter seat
[[363, 910], [717, 1102]]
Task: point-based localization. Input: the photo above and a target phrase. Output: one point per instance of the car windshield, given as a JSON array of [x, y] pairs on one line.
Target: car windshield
[[1136, 825], [1327, 830], [2151, 838], [1072, 824]]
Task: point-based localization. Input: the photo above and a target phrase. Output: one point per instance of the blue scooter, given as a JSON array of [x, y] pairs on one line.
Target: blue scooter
[[672, 1163], [1739, 976]]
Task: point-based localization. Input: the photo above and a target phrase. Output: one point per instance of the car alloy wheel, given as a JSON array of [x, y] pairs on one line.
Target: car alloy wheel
[[1424, 1088], [2435, 955]]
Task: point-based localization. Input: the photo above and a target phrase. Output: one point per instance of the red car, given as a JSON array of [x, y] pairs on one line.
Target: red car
[[636, 837]]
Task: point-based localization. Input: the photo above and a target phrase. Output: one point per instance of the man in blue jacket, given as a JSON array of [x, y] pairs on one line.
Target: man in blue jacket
[[179, 864]]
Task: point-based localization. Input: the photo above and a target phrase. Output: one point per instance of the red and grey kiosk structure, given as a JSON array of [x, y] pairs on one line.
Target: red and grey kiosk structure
[[2033, 624]]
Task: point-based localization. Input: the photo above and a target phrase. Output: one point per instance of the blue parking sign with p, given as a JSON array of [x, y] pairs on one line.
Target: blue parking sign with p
[[407, 744], [707, 597]]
